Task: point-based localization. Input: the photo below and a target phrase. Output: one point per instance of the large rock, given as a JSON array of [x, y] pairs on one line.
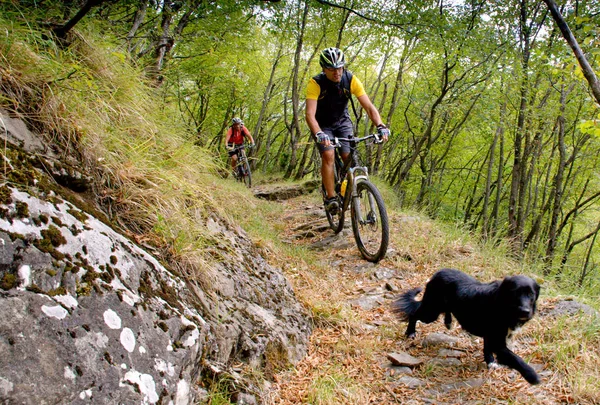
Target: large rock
[[87, 316]]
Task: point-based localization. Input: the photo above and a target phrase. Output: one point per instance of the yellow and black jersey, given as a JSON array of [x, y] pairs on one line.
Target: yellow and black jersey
[[332, 98]]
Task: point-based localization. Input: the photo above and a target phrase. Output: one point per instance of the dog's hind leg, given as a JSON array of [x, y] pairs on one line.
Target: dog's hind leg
[[424, 313], [407, 309], [431, 307], [411, 329], [488, 353], [448, 320]]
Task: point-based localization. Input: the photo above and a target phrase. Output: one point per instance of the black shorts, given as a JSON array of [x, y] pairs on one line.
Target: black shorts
[[342, 129], [233, 152]]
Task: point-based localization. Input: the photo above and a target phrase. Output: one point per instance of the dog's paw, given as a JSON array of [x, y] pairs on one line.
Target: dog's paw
[[531, 377], [493, 366], [411, 335]]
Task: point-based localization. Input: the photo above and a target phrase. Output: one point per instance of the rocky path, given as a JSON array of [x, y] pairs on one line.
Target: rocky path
[[358, 353]]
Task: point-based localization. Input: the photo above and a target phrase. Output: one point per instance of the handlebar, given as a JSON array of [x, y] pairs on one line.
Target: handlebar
[[240, 147], [337, 141]]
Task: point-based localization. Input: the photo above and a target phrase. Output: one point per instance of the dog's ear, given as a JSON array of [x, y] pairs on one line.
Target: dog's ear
[[505, 289], [536, 288], [507, 284]]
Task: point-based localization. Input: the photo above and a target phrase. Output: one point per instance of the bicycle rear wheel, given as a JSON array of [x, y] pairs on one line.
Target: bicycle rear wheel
[[335, 218], [370, 222]]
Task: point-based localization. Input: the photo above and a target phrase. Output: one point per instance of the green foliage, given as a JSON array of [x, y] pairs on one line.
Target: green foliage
[[461, 77]]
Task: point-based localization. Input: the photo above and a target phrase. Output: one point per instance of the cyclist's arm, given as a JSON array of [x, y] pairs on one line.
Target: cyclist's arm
[[357, 88], [310, 114], [313, 90], [248, 135], [227, 136], [371, 110]]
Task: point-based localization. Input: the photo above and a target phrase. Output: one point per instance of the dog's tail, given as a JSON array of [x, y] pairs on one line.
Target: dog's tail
[[406, 306]]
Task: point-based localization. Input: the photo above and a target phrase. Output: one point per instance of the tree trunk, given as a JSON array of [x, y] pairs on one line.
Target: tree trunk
[[397, 93], [379, 148], [345, 16], [295, 130], [165, 41], [499, 185], [586, 264], [62, 31], [558, 181], [490, 169], [587, 70], [300, 173], [266, 98], [515, 199], [573, 244], [138, 19]]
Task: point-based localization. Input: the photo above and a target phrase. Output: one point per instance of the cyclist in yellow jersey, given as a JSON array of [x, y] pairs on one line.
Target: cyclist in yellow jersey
[[327, 115]]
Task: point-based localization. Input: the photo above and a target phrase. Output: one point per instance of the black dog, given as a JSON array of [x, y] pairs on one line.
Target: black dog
[[492, 311]]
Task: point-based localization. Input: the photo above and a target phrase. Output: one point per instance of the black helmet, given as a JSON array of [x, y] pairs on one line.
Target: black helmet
[[332, 58]]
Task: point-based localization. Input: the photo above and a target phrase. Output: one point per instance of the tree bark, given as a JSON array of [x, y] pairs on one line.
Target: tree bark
[[397, 93], [588, 257], [490, 169]]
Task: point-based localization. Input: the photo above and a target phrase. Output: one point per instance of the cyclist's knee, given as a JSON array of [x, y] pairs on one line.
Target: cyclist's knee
[[328, 157]]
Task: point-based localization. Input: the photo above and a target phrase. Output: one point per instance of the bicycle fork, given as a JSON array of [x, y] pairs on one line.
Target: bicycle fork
[[355, 174]]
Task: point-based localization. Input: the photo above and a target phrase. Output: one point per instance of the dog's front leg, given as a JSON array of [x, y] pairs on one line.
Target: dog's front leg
[[510, 359]]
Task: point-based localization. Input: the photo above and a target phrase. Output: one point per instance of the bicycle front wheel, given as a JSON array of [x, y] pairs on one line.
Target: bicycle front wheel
[[247, 174], [370, 222]]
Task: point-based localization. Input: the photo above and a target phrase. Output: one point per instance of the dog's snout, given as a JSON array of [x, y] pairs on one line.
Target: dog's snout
[[525, 311]]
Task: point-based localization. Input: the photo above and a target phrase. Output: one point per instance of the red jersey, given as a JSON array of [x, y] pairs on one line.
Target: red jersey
[[237, 136]]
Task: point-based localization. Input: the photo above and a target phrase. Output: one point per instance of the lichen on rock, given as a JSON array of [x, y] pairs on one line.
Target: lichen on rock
[[109, 323]]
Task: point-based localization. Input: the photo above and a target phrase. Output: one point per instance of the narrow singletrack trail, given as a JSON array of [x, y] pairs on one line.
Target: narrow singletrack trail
[[355, 332]]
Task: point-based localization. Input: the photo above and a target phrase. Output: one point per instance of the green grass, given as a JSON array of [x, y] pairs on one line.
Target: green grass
[[331, 314], [570, 345], [335, 388]]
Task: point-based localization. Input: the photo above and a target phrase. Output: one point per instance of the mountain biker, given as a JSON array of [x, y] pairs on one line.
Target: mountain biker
[[235, 137], [327, 96]]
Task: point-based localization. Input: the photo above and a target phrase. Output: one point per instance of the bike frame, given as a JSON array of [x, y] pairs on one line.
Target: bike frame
[[241, 154], [351, 170]]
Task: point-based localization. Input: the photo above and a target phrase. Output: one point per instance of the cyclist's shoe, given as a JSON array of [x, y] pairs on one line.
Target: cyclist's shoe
[[332, 205]]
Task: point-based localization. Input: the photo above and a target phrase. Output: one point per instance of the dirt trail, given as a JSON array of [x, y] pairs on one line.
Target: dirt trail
[[355, 331]]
